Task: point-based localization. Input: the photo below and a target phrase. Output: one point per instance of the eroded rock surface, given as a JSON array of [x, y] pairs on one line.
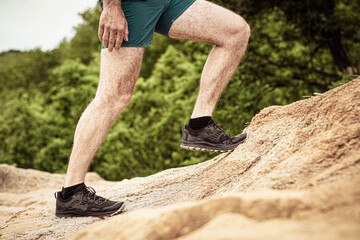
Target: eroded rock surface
[[297, 177]]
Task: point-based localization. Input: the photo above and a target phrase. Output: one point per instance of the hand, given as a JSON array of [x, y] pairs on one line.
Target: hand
[[113, 25]]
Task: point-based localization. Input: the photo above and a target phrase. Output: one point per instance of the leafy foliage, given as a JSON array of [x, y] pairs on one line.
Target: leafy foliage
[[43, 94]]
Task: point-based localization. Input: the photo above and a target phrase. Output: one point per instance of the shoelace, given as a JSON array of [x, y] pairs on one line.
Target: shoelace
[[91, 193], [220, 131]]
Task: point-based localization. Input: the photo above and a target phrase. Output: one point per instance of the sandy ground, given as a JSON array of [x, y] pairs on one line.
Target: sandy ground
[[296, 177]]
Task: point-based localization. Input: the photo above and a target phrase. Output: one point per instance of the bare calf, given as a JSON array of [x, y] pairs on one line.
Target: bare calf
[[229, 32], [119, 71]]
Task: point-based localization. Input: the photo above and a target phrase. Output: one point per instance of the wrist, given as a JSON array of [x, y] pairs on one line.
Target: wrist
[[112, 3]]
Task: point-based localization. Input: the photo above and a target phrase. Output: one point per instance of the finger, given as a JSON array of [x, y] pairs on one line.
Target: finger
[[117, 41], [101, 32], [111, 40], [126, 37], [106, 38]]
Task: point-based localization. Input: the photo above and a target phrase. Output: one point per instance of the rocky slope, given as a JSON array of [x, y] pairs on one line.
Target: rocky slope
[[297, 177]]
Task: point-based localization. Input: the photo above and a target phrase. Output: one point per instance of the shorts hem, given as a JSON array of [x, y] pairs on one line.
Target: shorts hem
[[132, 45], [177, 16], [137, 45]]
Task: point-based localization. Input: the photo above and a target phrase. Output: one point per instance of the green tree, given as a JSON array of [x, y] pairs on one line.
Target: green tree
[[323, 25], [291, 54]]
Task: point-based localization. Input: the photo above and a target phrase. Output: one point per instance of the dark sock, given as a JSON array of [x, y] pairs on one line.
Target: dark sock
[[69, 191], [197, 123]]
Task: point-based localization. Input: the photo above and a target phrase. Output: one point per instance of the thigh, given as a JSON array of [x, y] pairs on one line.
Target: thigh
[[207, 22], [119, 71]]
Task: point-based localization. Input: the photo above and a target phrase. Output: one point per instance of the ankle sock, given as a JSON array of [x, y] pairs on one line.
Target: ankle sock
[[69, 191], [197, 123]]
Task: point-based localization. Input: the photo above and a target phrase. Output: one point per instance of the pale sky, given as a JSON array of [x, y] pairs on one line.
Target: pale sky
[[26, 24]]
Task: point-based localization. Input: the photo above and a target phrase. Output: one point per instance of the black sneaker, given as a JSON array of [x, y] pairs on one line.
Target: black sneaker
[[85, 203], [210, 138]]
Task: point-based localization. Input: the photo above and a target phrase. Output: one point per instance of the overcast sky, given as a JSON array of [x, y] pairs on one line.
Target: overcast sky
[[26, 24]]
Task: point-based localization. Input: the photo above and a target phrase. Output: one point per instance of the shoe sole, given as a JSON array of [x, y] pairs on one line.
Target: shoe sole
[[206, 149], [70, 215]]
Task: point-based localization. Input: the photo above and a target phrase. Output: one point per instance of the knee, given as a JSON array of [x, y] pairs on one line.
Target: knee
[[113, 103], [246, 31], [240, 34]]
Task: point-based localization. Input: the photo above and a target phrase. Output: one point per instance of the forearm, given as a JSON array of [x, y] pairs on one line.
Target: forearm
[[111, 3]]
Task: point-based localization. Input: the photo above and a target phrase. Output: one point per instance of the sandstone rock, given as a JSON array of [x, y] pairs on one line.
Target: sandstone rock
[[296, 177]]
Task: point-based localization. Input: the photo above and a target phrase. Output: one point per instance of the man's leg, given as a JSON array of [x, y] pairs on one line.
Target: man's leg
[[118, 74], [207, 22], [119, 71]]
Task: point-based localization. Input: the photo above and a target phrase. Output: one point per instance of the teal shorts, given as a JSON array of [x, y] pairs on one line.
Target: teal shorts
[[145, 17]]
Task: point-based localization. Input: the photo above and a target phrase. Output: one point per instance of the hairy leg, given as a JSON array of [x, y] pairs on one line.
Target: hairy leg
[[119, 71], [229, 32]]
